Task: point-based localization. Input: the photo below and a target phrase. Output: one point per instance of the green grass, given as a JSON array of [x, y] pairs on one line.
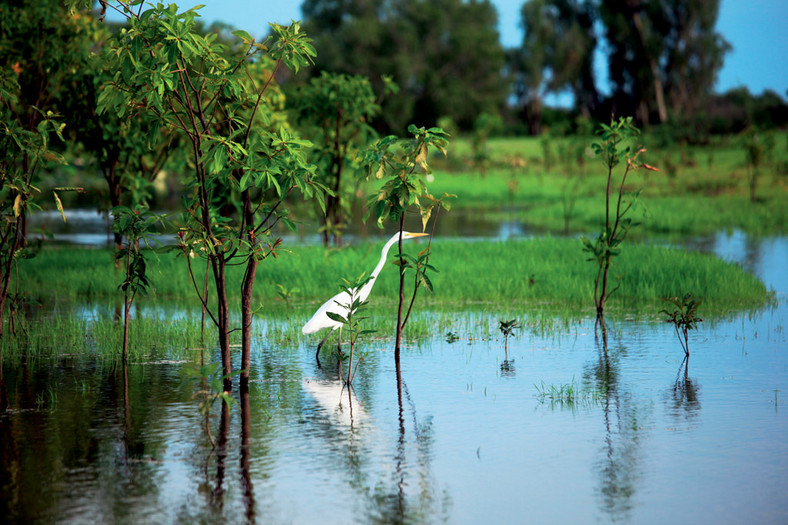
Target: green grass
[[699, 189], [546, 283], [568, 395], [70, 335], [534, 271]]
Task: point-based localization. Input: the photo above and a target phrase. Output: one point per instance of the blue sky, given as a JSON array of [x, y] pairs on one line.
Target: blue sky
[[757, 30]]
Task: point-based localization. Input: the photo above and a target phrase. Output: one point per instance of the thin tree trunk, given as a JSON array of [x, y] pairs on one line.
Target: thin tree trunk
[[222, 318], [401, 292], [205, 297], [126, 308], [247, 288], [659, 91], [16, 243]]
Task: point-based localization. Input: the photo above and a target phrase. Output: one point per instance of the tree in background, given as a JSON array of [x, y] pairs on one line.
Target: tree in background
[[130, 152], [335, 110], [528, 64], [444, 54], [40, 48], [556, 55], [662, 55]]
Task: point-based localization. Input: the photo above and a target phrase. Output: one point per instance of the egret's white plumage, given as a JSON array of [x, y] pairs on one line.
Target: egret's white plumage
[[337, 304]]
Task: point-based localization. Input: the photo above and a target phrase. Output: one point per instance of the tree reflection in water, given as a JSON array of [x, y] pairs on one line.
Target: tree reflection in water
[[683, 399], [215, 489], [246, 425], [396, 501], [617, 467]]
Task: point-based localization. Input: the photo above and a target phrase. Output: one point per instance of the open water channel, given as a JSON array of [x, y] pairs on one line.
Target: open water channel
[[464, 437]]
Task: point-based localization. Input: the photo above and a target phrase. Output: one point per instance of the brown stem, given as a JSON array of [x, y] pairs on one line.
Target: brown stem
[[401, 289], [247, 288], [426, 261]]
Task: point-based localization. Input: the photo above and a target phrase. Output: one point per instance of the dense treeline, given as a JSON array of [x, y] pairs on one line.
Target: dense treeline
[[662, 59]]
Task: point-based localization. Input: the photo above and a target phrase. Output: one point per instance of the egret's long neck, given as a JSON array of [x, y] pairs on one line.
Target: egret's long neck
[[382, 260]]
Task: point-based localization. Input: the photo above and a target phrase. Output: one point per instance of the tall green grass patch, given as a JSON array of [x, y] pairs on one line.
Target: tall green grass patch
[[539, 270]]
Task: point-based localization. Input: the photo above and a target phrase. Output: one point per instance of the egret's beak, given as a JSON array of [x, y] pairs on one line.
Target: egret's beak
[[419, 235]]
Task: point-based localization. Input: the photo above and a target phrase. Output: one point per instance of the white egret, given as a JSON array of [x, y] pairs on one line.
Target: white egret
[[338, 304]]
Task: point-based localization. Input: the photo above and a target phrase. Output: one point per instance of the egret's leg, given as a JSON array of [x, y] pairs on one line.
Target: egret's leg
[[339, 354], [320, 345]]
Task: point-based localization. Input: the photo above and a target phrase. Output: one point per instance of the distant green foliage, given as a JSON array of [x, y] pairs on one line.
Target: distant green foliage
[[445, 55]]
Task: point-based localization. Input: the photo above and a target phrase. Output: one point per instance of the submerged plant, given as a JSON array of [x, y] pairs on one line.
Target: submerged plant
[[566, 395], [451, 337], [684, 318]]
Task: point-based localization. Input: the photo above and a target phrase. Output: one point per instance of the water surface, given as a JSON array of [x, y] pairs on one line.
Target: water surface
[[465, 437]]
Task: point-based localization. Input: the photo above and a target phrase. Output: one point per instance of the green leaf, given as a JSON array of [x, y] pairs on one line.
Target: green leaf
[[426, 281], [245, 180], [243, 35], [336, 317]]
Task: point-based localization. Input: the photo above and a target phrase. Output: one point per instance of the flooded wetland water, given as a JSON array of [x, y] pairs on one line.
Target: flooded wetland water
[[565, 431]]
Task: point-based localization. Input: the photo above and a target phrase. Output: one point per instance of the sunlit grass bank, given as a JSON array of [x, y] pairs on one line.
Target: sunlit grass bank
[[543, 270], [698, 190]]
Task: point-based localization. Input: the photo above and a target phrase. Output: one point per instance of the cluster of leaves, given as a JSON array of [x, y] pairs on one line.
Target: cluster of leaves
[[134, 225], [24, 149], [403, 163]]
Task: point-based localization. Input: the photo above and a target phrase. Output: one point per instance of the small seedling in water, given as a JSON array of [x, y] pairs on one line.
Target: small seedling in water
[[352, 321], [451, 337], [684, 318], [506, 328], [616, 147]]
